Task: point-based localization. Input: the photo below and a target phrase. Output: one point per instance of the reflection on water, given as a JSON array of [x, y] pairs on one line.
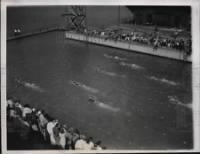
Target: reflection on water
[[110, 73], [163, 80], [83, 86], [32, 86], [114, 57], [132, 66], [102, 105], [131, 111], [175, 100]]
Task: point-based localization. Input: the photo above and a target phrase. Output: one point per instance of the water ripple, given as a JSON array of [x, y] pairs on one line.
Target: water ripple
[[29, 85]]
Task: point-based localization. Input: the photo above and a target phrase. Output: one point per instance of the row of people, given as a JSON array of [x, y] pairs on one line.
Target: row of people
[[151, 39], [52, 131]]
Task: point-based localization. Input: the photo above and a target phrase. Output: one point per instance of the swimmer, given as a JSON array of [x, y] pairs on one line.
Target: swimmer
[[75, 83], [103, 105], [84, 87], [92, 99]]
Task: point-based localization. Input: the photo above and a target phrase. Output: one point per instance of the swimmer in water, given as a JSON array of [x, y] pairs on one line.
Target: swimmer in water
[[102, 105], [75, 83], [92, 100]]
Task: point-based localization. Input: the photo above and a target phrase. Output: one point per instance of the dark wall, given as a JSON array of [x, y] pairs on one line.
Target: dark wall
[[29, 18], [172, 16]]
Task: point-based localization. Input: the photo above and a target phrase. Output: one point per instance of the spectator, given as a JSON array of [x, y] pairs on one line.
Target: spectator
[[19, 108], [75, 137], [62, 136], [39, 121], [50, 126], [10, 109], [56, 130], [81, 144], [89, 144], [10, 103], [97, 145], [26, 110], [69, 136], [42, 123]]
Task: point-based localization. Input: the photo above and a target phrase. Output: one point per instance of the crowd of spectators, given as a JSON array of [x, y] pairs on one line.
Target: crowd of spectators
[[52, 131], [153, 39]]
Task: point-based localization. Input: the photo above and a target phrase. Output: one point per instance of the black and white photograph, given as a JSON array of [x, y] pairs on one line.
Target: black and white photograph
[[97, 78]]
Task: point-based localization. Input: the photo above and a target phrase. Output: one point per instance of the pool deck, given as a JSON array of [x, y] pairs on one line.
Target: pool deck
[[134, 47], [35, 32]]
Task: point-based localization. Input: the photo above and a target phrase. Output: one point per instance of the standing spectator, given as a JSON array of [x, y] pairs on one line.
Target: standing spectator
[[69, 136], [10, 109], [50, 126], [42, 122], [34, 121], [56, 131], [75, 137], [155, 44], [62, 136], [19, 108], [10, 103]]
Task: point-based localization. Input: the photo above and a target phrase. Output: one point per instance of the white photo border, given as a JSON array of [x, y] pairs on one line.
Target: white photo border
[[195, 5]]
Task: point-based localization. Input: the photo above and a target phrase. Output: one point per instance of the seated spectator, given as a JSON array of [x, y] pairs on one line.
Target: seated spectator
[[75, 137], [97, 145], [26, 110], [81, 143], [89, 144]]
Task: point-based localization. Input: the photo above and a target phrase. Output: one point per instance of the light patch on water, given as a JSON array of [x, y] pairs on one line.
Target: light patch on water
[[114, 57], [110, 73], [103, 105], [108, 107], [83, 86], [132, 66], [163, 80], [32, 86], [175, 100]]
